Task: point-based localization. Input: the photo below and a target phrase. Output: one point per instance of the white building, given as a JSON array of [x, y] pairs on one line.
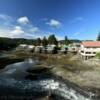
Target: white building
[[50, 48], [89, 49], [74, 47], [25, 47], [38, 49]]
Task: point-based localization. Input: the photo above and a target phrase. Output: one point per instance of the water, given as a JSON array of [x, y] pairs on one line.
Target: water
[[13, 83]]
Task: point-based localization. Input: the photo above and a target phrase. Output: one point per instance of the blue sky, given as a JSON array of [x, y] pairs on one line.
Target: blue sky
[[78, 19]]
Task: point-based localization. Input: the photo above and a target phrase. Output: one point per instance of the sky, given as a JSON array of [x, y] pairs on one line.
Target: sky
[[76, 19]]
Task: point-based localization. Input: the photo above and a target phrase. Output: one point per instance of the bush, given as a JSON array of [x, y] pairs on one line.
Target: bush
[[98, 55]]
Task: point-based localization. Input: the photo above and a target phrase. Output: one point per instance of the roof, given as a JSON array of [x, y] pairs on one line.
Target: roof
[[23, 45], [91, 43]]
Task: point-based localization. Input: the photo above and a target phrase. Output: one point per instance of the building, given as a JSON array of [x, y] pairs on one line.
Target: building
[[38, 49], [63, 48], [89, 49], [25, 47], [51, 48], [74, 47]]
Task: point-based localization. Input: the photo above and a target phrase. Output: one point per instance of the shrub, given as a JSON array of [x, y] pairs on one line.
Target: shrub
[[98, 55]]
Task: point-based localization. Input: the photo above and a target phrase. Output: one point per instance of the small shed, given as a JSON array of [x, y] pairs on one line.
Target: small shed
[[38, 49], [51, 48], [21, 47], [74, 47], [63, 49]]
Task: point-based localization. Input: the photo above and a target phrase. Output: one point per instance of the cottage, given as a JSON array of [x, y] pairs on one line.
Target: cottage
[[21, 47], [38, 49], [51, 48], [89, 49], [74, 47], [30, 47], [63, 49], [25, 47]]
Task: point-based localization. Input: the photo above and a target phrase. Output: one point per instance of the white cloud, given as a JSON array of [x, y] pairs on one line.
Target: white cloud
[[4, 33], [34, 29], [25, 29], [54, 23], [77, 33], [23, 20], [11, 30], [5, 17], [77, 19], [17, 31]]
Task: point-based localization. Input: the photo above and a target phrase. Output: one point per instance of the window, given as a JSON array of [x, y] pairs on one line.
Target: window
[[82, 51], [94, 52], [88, 52]]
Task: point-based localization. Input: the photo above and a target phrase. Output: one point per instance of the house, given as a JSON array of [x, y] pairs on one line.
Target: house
[[30, 47], [89, 49], [74, 47], [63, 48], [51, 48], [38, 49], [25, 47], [21, 47]]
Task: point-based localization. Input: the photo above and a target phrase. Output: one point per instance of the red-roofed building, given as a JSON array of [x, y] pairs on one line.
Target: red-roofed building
[[89, 49]]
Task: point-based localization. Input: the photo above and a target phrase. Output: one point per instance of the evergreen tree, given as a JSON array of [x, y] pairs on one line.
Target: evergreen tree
[[66, 40], [98, 38], [44, 41], [52, 39], [38, 41]]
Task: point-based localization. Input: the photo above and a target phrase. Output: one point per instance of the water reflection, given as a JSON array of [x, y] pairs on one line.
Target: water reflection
[[17, 70]]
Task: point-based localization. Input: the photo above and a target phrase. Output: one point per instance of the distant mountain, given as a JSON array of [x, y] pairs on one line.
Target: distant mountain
[[70, 41]]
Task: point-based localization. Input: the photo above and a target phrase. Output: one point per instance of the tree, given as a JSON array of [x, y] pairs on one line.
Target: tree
[[98, 38], [38, 41], [44, 41], [52, 39], [66, 40], [98, 55]]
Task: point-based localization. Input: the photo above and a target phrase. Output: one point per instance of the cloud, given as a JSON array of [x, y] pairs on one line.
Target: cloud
[[23, 20], [25, 29], [4, 33], [54, 23], [11, 29], [77, 33], [34, 29], [5, 17], [77, 19], [17, 31], [6, 20]]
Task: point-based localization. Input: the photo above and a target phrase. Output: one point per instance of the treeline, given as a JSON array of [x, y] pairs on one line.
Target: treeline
[[8, 43]]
